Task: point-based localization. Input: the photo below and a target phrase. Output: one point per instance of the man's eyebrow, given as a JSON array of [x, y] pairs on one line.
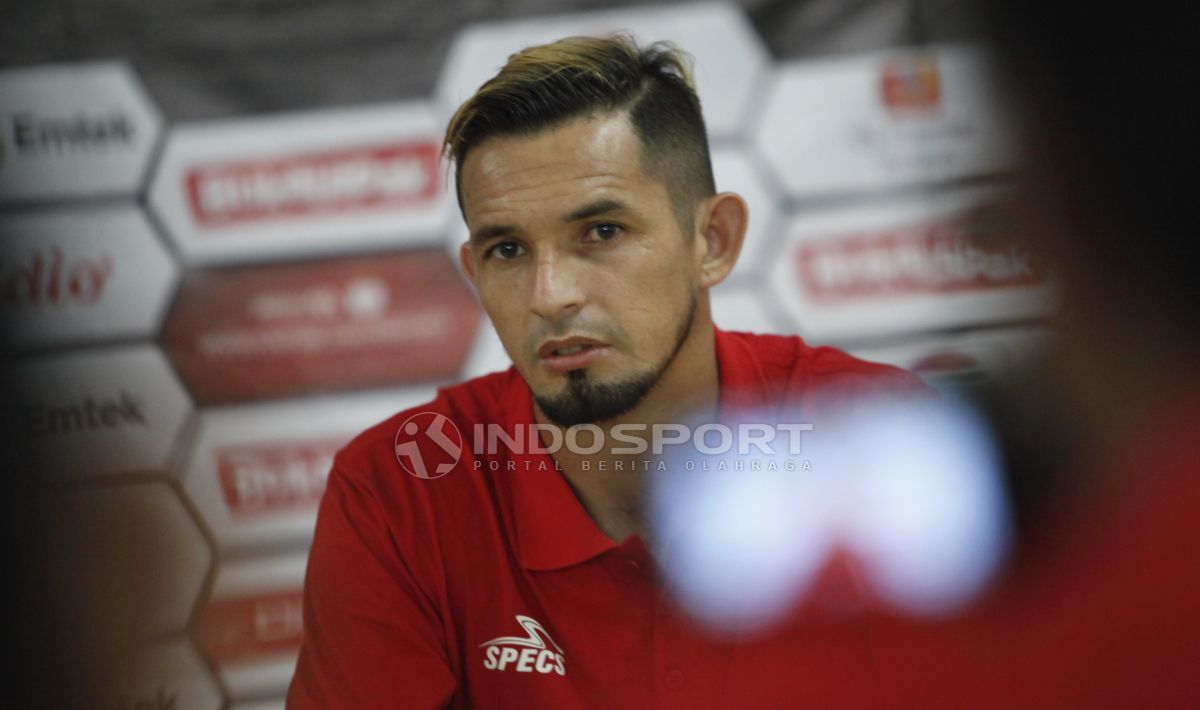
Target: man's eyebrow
[[491, 231], [588, 211], [595, 209]]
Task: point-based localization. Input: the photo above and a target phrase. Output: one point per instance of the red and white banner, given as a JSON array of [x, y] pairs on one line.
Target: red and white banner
[[870, 123], [990, 356], [369, 321], [74, 130], [907, 266], [730, 56], [97, 412], [252, 626], [81, 274], [322, 182], [257, 471]]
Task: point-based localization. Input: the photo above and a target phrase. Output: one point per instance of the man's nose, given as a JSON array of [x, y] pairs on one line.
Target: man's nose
[[557, 289]]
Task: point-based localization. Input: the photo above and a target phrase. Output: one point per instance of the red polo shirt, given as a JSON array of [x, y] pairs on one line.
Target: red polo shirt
[[490, 586]]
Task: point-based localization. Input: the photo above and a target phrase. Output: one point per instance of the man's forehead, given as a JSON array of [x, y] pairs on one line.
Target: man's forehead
[[584, 154]]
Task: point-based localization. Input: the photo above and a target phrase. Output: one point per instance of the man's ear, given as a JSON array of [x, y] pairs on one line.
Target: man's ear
[[465, 259], [722, 223]]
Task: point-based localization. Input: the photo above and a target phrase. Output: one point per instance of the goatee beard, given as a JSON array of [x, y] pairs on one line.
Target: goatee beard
[[586, 401]]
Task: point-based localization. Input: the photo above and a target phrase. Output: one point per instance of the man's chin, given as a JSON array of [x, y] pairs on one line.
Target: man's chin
[[585, 400], [552, 383]]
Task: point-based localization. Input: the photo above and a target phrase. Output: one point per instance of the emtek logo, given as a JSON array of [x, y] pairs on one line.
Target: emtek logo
[[81, 132], [88, 415], [526, 653]]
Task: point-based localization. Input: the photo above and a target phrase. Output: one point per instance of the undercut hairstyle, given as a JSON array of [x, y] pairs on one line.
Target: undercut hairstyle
[[545, 86]]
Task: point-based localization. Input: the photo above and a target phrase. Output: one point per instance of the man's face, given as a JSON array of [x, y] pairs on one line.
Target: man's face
[[580, 262]]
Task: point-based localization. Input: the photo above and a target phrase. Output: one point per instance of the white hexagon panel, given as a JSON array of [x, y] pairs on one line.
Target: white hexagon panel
[[158, 677], [729, 54], [96, 413], [881, 121], [989, 356], [736, 170], [81, 274], [742, 308], [74, 130], [256, 472], [310, 183], [252, 626], [127, 561], [456, 233], [909, 265]]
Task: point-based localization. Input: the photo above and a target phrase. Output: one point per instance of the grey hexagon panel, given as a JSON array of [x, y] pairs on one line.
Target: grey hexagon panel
[[160, 676], [82, 274], [72, 131], [97, 413], [128, 560]]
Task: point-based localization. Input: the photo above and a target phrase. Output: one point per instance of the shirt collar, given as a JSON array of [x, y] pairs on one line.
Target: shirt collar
[[552, 529]]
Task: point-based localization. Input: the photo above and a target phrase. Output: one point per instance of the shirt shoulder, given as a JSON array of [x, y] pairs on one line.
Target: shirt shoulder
[[419, 469], [432, 518], [788, 358], [480, 400]]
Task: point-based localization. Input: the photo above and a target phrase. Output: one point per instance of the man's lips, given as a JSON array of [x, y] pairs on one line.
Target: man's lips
[[571, 353]]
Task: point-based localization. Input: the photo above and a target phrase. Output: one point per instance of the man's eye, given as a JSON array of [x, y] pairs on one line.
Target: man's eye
[[505, 251], [604, 232]]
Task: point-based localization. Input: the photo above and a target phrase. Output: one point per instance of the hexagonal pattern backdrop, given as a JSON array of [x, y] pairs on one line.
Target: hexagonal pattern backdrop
[[201, 314]]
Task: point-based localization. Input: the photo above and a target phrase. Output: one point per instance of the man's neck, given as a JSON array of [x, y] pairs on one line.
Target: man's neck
[[611, 486]]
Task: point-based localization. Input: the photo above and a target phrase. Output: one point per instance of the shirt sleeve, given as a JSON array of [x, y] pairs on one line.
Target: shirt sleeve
[[373, 638], [835, 381]]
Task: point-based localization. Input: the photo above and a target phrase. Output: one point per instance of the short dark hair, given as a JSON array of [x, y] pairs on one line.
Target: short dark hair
[[547, 85]]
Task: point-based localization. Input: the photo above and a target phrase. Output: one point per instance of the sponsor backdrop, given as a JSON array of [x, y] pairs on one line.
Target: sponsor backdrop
[[200, 315]]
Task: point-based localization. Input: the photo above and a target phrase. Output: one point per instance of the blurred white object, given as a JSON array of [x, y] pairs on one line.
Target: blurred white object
[[926, 511], [911, 490]]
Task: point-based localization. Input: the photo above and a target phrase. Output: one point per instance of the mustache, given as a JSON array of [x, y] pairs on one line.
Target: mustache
[[572, 326]]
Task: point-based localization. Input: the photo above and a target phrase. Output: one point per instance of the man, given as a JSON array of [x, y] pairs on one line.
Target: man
[[446, 573]]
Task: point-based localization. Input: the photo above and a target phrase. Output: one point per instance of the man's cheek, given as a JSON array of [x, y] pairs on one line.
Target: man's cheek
[[499, 307]]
